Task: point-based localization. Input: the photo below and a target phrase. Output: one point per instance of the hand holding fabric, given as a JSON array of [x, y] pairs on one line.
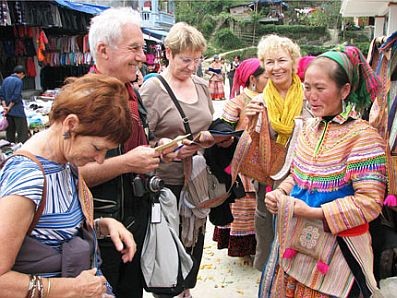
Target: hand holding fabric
[[87, 284], [304, 210], [254, 107], [271, 200]]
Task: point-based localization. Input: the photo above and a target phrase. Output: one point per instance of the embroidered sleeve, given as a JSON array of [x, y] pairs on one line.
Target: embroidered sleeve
[[287, 184], [23, 177], [231, 111], [366, 169]]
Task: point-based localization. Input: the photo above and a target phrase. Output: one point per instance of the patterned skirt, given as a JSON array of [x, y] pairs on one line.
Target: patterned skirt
[[216, 89], [239, 236]]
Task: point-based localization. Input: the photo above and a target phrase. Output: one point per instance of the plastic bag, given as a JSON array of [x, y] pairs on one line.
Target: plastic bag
[[388, 287], [3, 123]]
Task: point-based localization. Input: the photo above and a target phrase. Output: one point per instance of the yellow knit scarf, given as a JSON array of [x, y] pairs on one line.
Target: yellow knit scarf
[[282, 112]]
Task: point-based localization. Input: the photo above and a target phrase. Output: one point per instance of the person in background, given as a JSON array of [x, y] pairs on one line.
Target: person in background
[[239, 238], [216, 86], [224, 68], [282, 100], [116, 43], [337, 183], [11, 100], [302, 66], [199, 71], [184, 48], [233, 66], [71, 141]]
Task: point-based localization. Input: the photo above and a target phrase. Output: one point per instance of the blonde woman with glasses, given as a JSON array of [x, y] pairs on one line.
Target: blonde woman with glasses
[[184, 46]]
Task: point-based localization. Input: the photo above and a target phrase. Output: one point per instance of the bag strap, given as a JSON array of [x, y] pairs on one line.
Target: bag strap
[[42, 204], [178, 106]]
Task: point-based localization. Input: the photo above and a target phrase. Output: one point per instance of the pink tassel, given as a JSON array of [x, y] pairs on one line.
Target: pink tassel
[[228, 170], [269, 188], [289, 253], [390, 201], [322, 267]]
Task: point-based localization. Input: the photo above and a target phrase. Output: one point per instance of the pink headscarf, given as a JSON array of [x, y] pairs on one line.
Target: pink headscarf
[[243, 73], [302, 65]]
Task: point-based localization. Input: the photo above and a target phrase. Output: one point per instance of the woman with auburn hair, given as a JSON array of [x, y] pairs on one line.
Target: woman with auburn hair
[[45, 206], [239, 238], [282, 100], [335, 188]]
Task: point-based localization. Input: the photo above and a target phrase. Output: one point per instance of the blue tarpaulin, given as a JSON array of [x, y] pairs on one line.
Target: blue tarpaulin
[[269, 2], [82, 7], [159, 34]]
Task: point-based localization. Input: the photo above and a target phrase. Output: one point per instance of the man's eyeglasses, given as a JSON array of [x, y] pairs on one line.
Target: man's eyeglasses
[[188, 60]]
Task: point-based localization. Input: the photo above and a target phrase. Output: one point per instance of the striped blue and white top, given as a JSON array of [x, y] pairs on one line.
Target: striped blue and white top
[[62, 215]]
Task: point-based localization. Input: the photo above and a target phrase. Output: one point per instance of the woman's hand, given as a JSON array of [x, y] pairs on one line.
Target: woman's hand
[[122, 239], [226, 143], [271, 200], [87, 284], [254, 107], [188, 149], [304, 210], [168, 154]]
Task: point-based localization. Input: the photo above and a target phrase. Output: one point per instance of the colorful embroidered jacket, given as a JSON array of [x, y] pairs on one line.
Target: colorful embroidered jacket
[[339, 166]]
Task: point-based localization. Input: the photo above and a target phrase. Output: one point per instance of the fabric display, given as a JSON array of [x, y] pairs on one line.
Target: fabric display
[[67, 50], [5, 18], [383, 58], [38, 34]]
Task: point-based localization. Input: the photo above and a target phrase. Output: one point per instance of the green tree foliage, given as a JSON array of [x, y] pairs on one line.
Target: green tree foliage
[[225, 38], [310, 31]]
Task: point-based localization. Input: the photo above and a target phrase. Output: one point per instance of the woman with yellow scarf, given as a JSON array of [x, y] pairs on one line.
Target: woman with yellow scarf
[[282, 100]]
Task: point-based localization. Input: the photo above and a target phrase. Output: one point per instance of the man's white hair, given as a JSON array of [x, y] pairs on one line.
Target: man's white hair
[[107, 26]]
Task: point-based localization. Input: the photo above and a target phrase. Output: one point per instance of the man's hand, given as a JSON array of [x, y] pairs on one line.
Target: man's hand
[[5, 110], [141, 160]]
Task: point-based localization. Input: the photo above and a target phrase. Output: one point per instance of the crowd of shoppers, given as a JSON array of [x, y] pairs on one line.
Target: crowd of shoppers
[[72, 186]]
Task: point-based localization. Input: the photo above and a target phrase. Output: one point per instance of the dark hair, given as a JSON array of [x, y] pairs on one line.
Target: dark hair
[[101, 104], [238, 57], [19, 69], [336, 73], [260, 70]]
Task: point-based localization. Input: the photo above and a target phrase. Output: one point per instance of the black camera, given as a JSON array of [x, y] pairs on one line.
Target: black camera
[[146, 184]]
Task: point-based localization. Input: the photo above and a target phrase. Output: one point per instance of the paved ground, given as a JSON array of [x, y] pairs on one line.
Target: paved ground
[[222, 276]]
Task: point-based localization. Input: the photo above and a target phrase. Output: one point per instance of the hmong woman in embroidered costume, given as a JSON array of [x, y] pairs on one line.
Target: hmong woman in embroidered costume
[[215, 84], [282, 100], [239, 238], [336, 187], [42, 196]]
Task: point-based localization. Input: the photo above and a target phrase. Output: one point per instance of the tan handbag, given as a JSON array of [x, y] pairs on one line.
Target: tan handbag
[[257, 155]]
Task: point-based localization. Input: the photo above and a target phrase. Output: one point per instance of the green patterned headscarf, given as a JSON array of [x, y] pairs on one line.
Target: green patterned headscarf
[[364, 82]]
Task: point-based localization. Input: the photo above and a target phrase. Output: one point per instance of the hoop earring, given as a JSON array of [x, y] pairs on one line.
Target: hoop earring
[[66, 135], [253, 87]]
